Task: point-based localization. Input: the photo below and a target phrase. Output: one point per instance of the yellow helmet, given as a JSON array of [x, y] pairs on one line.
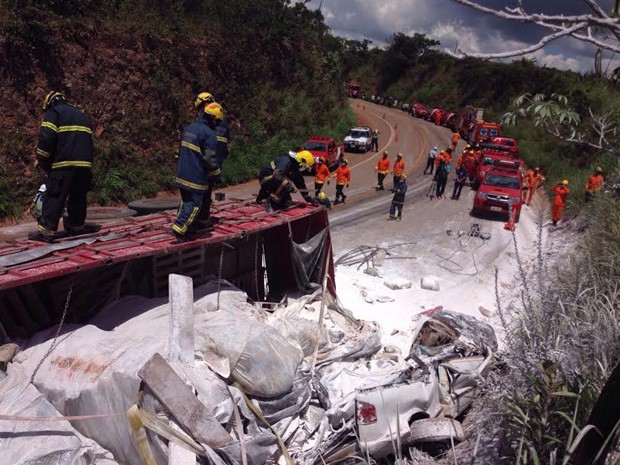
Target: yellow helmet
[[51, 98], [322, 196], [214, 109], [565, 182], [305, 159], [202, 98], [598, 169]]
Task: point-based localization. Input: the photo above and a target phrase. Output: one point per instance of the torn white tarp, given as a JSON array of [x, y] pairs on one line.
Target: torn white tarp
[[40, 442]]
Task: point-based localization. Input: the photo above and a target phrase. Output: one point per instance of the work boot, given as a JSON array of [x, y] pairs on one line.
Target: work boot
[[40, 237], [399, 218], [391, 217], [344, 197], [86, 228], [555, 223]]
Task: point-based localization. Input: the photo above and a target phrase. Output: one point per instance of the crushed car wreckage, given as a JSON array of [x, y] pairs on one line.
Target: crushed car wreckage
[[259, 367]]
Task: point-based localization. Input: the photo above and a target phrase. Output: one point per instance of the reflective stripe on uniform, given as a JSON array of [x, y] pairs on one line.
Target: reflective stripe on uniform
[[281, 186], [43, 230], [191, 185], [214, 172], [183, 228], [383, 172], [191, 146], [42, 152], [48, 125], [222, 139], [75, 128], [265, 179], [77, 163]]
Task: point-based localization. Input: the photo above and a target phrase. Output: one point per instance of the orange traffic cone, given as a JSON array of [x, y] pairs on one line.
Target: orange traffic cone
[[510, 224]]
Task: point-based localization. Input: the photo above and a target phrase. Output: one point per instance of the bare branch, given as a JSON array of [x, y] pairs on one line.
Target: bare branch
[[584, 28]]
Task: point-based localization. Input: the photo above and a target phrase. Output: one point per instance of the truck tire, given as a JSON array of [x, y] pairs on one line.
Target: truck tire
[[147, 206], [436, 430]]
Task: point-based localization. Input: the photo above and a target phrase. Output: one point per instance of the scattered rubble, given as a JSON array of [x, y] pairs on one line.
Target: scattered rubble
[[263, 385], [430, 283]]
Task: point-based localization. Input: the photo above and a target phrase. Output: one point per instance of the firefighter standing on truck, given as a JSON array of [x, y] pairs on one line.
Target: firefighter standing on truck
[[594, 183], [222, 134], [382, 168], [282, 177], [560, 192], [343, 178], [398, 169], [197, 169], [454, 140], [320, 176], [65, 153]]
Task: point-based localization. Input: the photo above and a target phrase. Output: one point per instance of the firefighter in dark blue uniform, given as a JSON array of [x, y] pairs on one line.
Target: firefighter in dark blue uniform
[[283, 176], [65, 153], [197, 167], [222, 134]]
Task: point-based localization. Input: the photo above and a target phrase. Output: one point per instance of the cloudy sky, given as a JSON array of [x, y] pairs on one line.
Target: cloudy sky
[[471, 31]]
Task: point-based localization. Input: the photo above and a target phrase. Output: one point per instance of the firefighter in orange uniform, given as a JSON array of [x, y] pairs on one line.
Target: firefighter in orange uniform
[[343, 178], [594, 183], [321, 174], [454, 139], [532, 180], [470, 163], [560, 192], [445, 155], [398, 169], [382, 168]]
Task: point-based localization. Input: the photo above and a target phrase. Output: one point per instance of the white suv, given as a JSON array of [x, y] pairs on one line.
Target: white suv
[[358, 139]]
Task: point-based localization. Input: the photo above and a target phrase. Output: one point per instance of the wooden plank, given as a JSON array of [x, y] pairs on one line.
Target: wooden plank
[[181, 402]]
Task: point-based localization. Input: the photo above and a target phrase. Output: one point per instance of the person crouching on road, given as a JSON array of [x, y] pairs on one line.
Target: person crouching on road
[[398, 169], [430, 160], [560, 192], [400, 189], [197, 168], [321, 175], [282, 177], [459, 182], [594, 183], [65, 153], [343, 178], [322, 199], [382, 168]]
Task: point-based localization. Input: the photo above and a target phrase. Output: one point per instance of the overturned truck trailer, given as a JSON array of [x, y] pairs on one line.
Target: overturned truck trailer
[[266, 254]]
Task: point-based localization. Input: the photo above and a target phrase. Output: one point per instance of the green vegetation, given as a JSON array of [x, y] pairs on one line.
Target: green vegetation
[[135, 68]]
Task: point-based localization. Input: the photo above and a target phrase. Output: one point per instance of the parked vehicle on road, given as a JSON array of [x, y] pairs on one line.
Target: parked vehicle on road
[[487, 157], [507, 144], [325, 147], [419, 110], [500, 190], [358, 139]]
